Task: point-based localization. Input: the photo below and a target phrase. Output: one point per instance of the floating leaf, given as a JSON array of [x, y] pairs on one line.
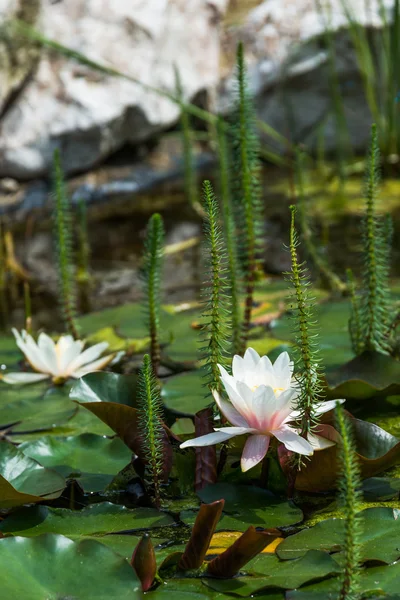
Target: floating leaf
[[184, 393], [91, 459], [23, 480], [369, 375], [53, 566], [379, 537], [94, 520], [247, 505], [105, 387], [377, 450], [272, 573]]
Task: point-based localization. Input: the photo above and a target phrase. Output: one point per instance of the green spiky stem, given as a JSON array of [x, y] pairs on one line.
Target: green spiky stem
[[350, 482], [83, 257], [4, 312], [151, 275], [151, 425], [215, 316], [63, 238], [355, 319], [234, 274]]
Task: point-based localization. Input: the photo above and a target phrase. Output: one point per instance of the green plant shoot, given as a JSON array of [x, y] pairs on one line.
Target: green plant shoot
[[150, 273], [83, 257]]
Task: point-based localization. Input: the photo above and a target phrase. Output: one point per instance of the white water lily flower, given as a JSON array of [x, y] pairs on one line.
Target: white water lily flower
[[57, 361], [262, 403]]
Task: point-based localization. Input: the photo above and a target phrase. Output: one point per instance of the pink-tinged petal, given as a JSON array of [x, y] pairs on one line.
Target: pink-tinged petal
[[251, 358], [255, 448], [208, 440], [23, 378], [285, 403], [318, 442], [263, 407], [327, 406], [29, 348], [96, 365], [293, 441], [238, 402], [229, 411], [88, 356]]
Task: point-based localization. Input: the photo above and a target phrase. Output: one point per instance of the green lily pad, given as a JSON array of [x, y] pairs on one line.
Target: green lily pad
[[186, 589], [53, 566], [10, 354], [185, 393], [369, 375], [95, 520], [379, 537], [270, 572], [245, 506], [23, 480], [105, 387], [381, 488], [34, 407], [91, 459]]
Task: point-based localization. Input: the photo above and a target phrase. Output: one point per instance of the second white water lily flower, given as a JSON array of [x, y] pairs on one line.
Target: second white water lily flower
[[262, 403], [58, 361]]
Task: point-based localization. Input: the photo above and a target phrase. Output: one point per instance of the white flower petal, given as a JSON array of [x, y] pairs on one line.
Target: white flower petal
[[318, 442], [263, 407], [251, 358], [96, 365], [236, 430], [293, 441], [67, 350], [88, 356], [283, 369], [327, 406], [238, 367], [229, 411], [29, 348], [21, 377], [48, 353], [208, 440], [230, 385], [254, 450]]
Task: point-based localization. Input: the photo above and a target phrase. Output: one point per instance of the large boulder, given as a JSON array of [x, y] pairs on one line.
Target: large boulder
[[290, 74], [89, 115]]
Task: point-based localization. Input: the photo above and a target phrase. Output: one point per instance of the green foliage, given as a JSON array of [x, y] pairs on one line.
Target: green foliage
[[375, 294], [214, 331], [354, 321], [234, 274], [4, 308], [328, 278], [306, 345], [63, 242], [151, 272], [83, 257], [150, 422], [349, 484], [190, 177], [28, 307], [246, 188]]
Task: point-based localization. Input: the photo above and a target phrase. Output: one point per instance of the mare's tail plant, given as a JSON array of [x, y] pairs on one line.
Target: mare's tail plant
[[234, 275], [355, 320], [63, 244], [4, 313], [247, 189], [306, 346], [151, 428], [190, 178], [328, 277], [349, 485], [151, 278], [215, 326], [83, 257], [374, 302]]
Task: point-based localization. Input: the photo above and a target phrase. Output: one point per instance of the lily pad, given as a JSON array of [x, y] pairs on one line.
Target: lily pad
[[379, 537], [185, 393], [23, 480], [95, 520], [105, 387], [53, 566], [270, 572], [245, 506], [92, 459], [369, 375]]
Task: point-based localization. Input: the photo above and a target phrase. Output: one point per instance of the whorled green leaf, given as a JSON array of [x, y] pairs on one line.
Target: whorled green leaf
[[53, 566], [246, 506], [94, 520], [379, 537], [367, 376], [23, 480], [377, 450], [268, 572], [93, 460], [184, 393]]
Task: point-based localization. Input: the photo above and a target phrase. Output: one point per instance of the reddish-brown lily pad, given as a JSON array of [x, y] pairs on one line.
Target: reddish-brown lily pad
[[377, 450]]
